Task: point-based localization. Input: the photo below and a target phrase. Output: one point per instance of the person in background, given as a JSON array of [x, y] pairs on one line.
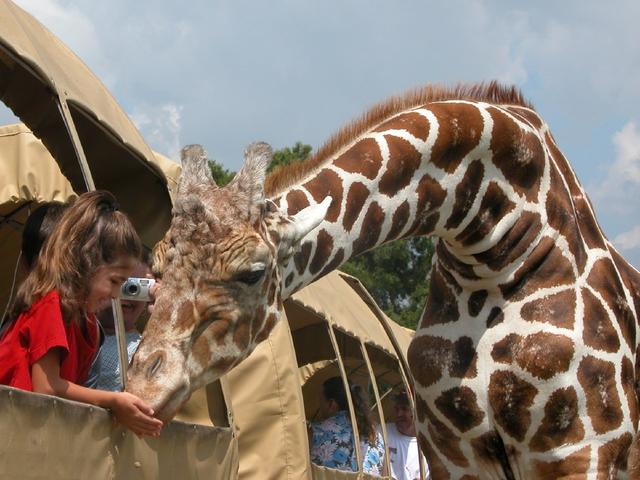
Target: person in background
[[332, 440], [52, 334], [402, 443], [105, 371]]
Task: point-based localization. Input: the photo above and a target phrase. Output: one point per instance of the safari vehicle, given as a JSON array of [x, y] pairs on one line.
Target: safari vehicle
[[249, 424]]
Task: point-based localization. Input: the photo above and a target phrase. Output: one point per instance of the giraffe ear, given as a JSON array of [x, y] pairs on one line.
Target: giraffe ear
[[304, 221], [195, 169], [248, 184]]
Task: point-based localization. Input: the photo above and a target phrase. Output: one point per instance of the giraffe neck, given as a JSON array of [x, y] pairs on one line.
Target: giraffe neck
[[472, 174]]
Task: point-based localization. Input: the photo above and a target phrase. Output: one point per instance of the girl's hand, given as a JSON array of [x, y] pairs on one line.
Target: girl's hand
[[134, 414], [152, 293]]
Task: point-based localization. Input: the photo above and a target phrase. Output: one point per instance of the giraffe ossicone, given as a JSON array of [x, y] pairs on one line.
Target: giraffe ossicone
[[525, 362]]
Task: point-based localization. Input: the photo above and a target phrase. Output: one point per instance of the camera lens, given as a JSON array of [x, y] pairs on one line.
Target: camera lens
[[132, 289]]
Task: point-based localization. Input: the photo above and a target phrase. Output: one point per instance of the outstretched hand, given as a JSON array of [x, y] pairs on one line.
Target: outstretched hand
[[135, 414]]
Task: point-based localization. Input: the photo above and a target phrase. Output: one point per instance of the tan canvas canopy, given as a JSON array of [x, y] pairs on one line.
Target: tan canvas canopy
[[65, 105]]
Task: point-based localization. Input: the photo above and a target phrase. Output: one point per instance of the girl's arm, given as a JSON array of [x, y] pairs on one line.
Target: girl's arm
[[128, 409]]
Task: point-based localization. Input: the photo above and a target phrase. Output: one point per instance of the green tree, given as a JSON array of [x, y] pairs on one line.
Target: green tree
[[396, 273]]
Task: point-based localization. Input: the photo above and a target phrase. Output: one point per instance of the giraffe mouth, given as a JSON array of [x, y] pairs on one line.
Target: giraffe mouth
[[169, 408]]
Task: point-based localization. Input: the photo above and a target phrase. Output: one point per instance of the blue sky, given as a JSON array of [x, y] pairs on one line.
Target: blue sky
[[226, 73]]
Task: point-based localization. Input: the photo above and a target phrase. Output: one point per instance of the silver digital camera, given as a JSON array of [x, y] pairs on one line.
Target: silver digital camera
[[136, 289]]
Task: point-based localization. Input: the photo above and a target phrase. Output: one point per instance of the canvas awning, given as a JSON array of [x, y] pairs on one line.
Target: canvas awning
[[69, 109]]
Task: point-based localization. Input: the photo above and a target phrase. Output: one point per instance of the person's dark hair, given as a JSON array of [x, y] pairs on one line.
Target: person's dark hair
[[90, 233], [402, 399], [333, 389], [37, 229]]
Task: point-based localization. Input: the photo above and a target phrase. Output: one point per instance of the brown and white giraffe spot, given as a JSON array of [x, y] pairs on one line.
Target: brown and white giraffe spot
[[411, 122], [185, 317], [334, 263], [494, 206], [630, 278], [574, 466], [628, 381], [301, 257], [494, 456], [219, 329], [510, 398], [598, 330], [561, 216], [452, 264], [296, 201], [242, 333], [430, 197], [288, 280], [476, 302], [541, 354], [358, 194], [442, 303], [364, 158], [269, 323], [514, 243], [557, 309], [437, 469], [445, 440], [612, 456], [370, 230], [604, 279], [403, 162], [527, 116], [201, 351], [597, 378], [496, 316], [399, 220], [545, 267], [327, 183], [561, 424], [465, 194], [459, 405], [430, 356], [460, 126], [517, 154], [324, 247]]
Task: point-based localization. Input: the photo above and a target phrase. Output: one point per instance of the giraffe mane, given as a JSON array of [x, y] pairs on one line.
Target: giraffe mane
[[492, 92]]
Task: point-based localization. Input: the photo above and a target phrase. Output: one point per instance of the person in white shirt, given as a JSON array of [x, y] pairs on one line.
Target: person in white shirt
[[403, 446]]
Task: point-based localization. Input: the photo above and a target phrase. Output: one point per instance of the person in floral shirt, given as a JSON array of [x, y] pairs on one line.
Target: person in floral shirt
[[332, 442]]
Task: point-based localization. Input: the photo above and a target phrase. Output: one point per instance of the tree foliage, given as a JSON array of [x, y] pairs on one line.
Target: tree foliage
[[396, 274]]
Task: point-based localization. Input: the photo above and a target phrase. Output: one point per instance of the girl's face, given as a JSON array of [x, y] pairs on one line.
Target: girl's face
[[106, 282]]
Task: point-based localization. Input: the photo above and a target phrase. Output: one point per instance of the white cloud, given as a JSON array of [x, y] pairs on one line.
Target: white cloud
[[629, 240], [161, 126]]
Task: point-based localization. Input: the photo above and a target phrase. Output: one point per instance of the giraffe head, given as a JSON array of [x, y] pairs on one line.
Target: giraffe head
[[221, 263]]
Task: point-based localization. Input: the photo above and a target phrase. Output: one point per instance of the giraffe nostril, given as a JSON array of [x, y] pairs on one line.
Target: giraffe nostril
[[155, 365]]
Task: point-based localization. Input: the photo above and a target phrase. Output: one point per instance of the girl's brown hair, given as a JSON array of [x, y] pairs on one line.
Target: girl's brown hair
[[90, 233], [333, 389]]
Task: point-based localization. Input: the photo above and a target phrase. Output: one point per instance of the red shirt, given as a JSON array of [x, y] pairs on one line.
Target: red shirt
[[37, 331]]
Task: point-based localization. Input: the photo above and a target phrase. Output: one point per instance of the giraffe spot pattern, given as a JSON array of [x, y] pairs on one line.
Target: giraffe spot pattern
[[612, 456], [465, 194], [542, 354], [324, 247], [604, 279], [561, 424], [269, 323], [575, 465], [476, 302], [597, 378], [363, 158], [629, 278], [327, 183], [513, 244], [460, 406], [628, 381], [370, 230], [442, 304], [429, 194], [186, 319], [430, 356], [510, 398], [301, 257], [598, 330], [452, 264], [437, 469], [527, 116], [357, 196], [403, 162], [296, 201], [459, 131], [496, 316], [561, 216], [545, 266], [288, 280], [399, 220], [494, 206], [445, 440], [557, 309], [493, 455], [411, 122], [334, 263], [518, 154]]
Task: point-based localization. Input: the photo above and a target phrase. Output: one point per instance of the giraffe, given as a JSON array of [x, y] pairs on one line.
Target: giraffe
[[525, 358]]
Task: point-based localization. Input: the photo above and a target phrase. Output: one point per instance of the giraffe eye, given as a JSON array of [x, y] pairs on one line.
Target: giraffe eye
[[251, 277]]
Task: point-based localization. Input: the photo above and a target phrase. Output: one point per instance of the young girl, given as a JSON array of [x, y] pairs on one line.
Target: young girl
[[54, 334]]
